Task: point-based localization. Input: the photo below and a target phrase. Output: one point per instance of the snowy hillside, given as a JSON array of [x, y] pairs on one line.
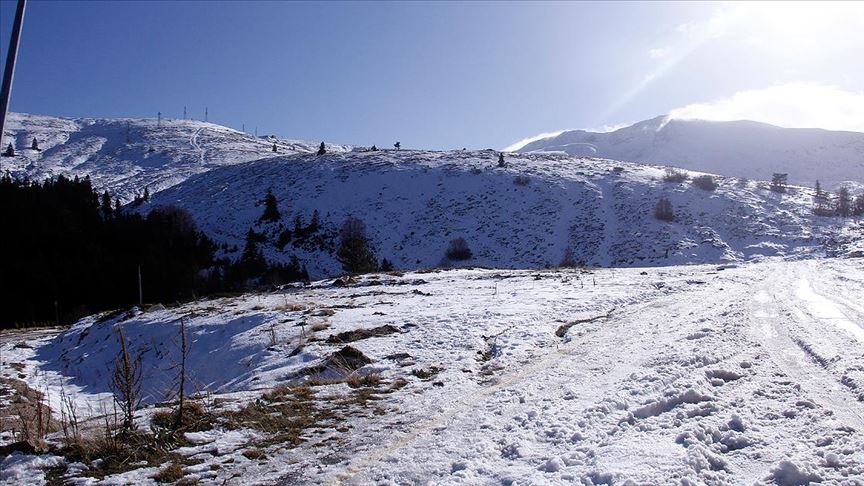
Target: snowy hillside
[[738, 148], [522, 216], [698, 374], [124, 156]]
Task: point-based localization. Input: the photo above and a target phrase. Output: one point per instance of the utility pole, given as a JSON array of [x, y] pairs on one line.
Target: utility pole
[[11, 55]]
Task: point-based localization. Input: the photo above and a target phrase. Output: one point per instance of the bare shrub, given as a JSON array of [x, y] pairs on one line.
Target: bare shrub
[[169, 474], [705, 182], [663, 210], [126, 383], [569, 259], [458, 250], [674, 175]]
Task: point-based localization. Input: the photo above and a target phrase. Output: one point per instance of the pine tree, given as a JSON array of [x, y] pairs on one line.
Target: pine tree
[[105, 207], [274, 147], [315, 223], [10, 151], [252, 260], [820, 202], [146, 196], [844, 202], [374, 148], [386, 265], [321, 149], [501, 162], [298, 226], [35, 145], [271, 208], [397, 145], [355, 253], [778, 182]]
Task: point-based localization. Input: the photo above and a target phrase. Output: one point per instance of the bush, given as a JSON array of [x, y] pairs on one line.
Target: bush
[[355, 253], [458, 250], [569, 259], [674, 175], [705, 182], [521, 180], [663, 210]]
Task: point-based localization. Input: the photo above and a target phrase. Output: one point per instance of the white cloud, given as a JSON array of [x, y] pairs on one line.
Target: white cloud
[[525, 141], [792, 105], [658, 52]]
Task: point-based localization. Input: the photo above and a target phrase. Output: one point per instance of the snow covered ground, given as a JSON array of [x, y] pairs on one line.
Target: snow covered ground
[[732, 374]]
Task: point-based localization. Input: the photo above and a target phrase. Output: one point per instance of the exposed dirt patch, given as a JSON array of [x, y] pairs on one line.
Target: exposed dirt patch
[[358, 334]]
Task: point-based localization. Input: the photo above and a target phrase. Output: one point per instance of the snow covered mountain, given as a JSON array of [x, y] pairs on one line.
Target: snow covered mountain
[[734, 148], [124, 156], [524, 215]]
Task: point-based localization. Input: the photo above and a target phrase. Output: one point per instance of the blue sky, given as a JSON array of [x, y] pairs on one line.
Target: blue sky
[[443, 74]]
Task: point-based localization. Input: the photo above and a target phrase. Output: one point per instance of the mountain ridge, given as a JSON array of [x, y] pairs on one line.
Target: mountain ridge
[[742, 148]]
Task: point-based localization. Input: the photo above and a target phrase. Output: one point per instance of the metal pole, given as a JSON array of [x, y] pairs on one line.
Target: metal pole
[[6, 92]]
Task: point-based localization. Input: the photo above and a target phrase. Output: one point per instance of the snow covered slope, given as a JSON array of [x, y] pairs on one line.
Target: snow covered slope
[[124, 156], [522, 216], [737, 148], [685, 375]]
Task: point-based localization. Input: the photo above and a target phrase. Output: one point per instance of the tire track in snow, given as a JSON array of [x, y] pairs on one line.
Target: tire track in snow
[[772, 326]]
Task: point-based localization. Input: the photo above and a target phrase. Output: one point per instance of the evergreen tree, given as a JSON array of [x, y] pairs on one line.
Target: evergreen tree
[[105, 206], [386, 265], [271, 208], [778, 182], [397, 145], [146, 196], [252, 260], [374, 148], [355, 253], [274, 147], [501, 162], [821, 205], [844, 202], [10, 151], [117, 205], [35, 145], [315, 223], [321, 149], [298, 226]]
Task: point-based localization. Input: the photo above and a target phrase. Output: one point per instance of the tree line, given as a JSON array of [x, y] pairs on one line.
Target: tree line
[[67, 252]]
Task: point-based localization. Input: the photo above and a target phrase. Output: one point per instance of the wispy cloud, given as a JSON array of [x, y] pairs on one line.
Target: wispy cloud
[[792, 105], [525, 141]]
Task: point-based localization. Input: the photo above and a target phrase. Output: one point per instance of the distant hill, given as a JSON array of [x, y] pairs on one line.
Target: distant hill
[[125, 155], [734, 148]]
